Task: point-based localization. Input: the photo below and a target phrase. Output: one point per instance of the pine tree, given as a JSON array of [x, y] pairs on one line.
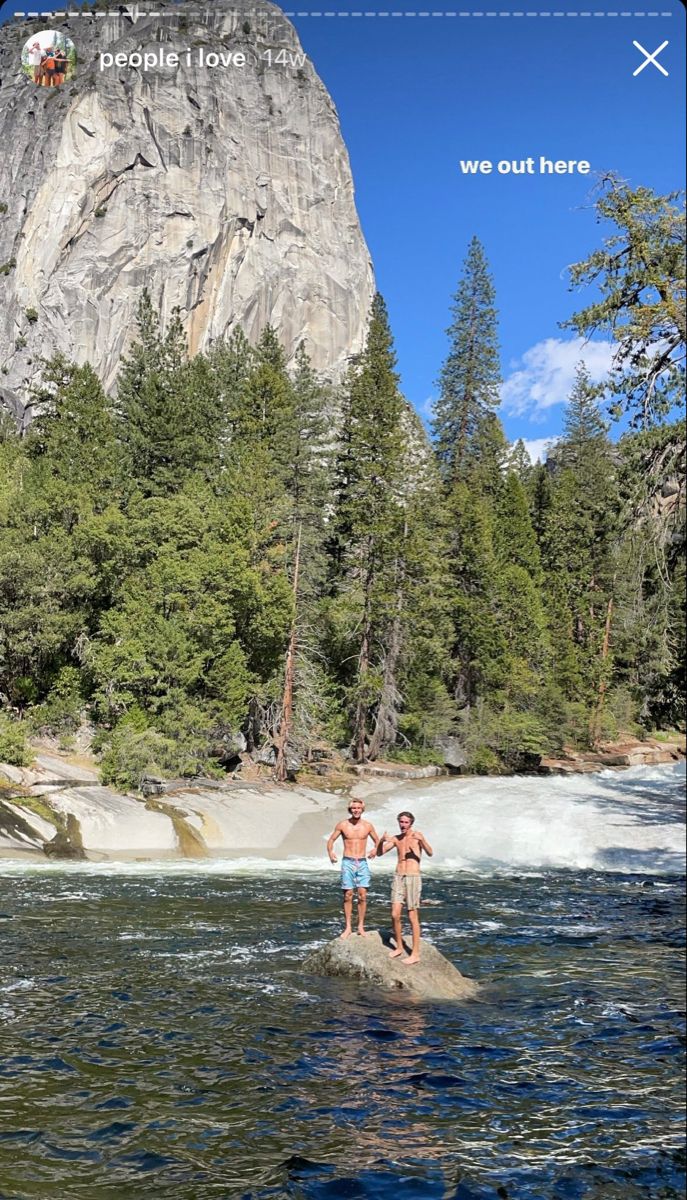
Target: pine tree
[[172, 422], [649, 648], [73, 413], [368, 524], [520, 463], [479, 644], [579, 539], [514, 536], [470, 378], [640, 274], [423, 667]]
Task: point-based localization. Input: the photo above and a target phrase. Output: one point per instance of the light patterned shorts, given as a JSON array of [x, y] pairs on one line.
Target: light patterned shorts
[[406, 889]]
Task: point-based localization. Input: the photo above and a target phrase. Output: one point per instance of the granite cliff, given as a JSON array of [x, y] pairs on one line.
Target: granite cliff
[[226, 191]]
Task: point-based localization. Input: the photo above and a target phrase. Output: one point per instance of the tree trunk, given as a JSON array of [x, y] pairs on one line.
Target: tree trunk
[[360, 727], [386, 723], [601, 695], [360, 722], [283, 734]]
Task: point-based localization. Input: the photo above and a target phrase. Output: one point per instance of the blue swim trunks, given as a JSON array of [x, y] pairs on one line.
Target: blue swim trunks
[[355, 873]]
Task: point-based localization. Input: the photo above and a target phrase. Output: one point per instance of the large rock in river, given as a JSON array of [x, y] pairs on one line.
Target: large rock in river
[[367, 959]]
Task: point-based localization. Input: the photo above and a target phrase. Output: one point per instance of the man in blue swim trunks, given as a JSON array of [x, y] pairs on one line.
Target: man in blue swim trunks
[[355, 871]]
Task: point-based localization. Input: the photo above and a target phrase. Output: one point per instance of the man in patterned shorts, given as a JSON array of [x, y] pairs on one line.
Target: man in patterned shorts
[[355, 871], [406, 885]]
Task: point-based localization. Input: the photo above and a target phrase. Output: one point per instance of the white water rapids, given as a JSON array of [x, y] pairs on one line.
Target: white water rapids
[[630, 821], [625, 821]]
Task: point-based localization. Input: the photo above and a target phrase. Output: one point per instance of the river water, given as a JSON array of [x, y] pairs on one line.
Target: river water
[[160, 1038]]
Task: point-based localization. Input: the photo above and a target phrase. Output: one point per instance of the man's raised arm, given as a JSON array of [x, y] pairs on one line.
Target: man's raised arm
[[424, 844], [330, 843], [385, 843]]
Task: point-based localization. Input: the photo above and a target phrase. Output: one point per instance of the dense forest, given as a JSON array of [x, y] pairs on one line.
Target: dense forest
[[232, 554]]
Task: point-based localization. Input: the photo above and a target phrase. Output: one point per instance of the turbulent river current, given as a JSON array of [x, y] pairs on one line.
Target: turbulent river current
[[160, 1038]]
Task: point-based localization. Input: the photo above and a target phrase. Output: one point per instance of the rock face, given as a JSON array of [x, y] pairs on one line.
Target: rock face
[[225, 191], [452, 752], [60, 809], [367, 959], [628, 753]]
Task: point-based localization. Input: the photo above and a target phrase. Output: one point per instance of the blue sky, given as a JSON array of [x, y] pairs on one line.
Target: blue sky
[[415, 95]]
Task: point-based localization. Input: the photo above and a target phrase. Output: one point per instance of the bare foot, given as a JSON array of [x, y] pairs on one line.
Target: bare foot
[[414, 958], [346, 934], [395, 953], [362, 933]]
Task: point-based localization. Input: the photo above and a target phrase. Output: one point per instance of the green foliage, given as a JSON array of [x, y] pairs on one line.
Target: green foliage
[[31, 315], [61, 711], [640, 272], [133, 754], [470, 377], [13, 748], [579, 540], [171, 422], [148, 553], [417, 756]]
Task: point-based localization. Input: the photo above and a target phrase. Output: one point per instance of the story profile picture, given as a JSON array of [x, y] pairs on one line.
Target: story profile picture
[[48, 58]]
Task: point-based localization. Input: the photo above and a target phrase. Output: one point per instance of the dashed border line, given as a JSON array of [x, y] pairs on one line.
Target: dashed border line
[[138, 13]]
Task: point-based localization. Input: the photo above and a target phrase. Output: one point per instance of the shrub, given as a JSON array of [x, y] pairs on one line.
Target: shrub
[[20, 342], [100, 211], [3, 207], [13, 748], [132, 754], [8, 266], [31, 315], [417, 756], [483, 761], [181, 748], [60, 713]]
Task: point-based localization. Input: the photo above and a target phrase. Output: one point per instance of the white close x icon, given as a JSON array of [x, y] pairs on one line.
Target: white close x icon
[[650, 58]]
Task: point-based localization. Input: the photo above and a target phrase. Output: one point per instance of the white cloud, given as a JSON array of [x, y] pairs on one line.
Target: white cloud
[[538, 448], [545, 374]]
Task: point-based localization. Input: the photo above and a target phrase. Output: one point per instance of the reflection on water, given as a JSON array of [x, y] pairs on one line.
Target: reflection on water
[[160, 1039]]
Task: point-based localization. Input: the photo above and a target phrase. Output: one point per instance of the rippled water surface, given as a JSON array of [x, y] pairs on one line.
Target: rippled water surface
[[160, 1039]]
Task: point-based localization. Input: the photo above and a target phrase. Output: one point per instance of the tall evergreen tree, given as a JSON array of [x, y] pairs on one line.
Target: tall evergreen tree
[[515, 538], [520, 462], [479, 643], [171, 419], [580, 537], [470, 378], [73, 413], [368, 521]]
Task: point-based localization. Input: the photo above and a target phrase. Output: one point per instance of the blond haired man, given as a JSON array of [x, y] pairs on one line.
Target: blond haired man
[[355, 870]]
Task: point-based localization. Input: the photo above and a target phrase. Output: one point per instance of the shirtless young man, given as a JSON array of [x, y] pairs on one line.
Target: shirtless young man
[[355, 872], [406, 885]]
